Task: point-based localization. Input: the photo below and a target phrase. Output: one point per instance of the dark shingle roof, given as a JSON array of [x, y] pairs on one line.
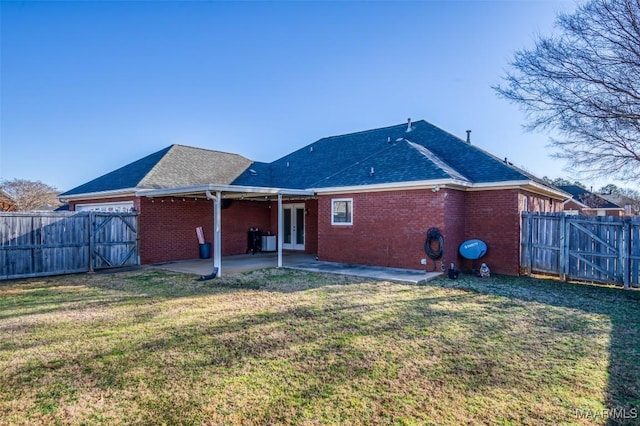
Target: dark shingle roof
[[394, 154], [424, 153], [174, 166], [588, 198], [257, 174]]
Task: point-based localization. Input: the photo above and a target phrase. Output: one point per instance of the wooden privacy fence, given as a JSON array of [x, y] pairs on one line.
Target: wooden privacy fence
[[585, 248], [49, 243]]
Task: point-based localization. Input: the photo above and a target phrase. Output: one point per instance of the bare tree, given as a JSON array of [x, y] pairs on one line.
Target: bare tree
[[591, 200], [609, 189], [30, 195], [584, 83]]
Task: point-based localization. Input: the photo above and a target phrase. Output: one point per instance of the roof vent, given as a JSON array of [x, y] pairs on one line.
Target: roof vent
[[389, 139], [311, 149], [469, 137], [253, 172], [409, 125], [372, 172], [287, 164]]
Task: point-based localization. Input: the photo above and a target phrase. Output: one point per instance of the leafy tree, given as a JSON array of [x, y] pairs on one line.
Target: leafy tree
[[30, 195], [584, 83]]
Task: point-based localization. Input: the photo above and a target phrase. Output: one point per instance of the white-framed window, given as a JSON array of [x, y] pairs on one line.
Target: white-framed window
[[342, 211], [118, 206]]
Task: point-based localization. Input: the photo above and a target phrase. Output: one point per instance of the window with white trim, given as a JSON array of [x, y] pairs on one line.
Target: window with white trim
[[342, 211]]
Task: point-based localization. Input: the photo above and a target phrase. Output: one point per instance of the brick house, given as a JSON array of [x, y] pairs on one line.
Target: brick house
[[363, 198], [586, 203]]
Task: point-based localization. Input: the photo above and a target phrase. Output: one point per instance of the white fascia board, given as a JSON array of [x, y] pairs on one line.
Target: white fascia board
[[527, 185], [219, 188], [98, 195], [421, 184], [617, 209]]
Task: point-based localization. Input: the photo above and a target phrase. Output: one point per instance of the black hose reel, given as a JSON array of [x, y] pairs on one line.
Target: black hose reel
[[434, 245]]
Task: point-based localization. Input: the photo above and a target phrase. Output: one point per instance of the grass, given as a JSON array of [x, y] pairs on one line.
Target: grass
[[285, 347]]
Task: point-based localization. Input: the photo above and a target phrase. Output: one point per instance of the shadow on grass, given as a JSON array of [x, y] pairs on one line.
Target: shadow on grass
[[409, 343], [621, 307]]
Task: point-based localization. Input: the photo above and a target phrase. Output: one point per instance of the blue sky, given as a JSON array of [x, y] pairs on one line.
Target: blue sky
[[87, 87]]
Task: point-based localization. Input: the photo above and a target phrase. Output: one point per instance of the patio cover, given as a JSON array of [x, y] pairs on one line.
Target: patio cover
[[216, 193]]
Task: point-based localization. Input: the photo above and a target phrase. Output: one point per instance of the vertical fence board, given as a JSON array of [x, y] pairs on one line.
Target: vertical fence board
[[597, 249], [49, 243]]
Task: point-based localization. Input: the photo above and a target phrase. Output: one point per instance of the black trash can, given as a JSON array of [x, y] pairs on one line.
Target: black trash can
[[205, 251], [254, 242]]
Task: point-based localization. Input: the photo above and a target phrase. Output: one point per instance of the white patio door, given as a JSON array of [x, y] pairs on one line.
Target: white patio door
[[293, 227]]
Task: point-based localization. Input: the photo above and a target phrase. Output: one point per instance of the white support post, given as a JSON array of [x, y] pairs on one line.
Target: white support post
[[280, 230], [217, 233]]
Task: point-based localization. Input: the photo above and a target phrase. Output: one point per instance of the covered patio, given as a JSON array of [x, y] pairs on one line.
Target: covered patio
[[218, 195]]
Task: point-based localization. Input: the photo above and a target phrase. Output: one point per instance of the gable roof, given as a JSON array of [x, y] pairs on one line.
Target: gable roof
[[424, 153], [588, 198], [174, 166]]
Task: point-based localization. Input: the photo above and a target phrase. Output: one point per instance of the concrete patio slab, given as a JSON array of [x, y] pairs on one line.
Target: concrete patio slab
[[304, 262], [413, 276]]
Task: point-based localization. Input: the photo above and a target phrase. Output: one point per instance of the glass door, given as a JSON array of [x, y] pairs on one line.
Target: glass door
[[293, 224]]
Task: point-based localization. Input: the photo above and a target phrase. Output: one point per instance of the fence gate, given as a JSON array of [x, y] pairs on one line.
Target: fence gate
[[51, 243], [114, 240], [598, 249]]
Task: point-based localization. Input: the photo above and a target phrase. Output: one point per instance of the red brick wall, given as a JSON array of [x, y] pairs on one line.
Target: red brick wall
[[389, 228], [455, 226], [236, 221], [311, 227], [538, 203], [493, 217], [168, 228]]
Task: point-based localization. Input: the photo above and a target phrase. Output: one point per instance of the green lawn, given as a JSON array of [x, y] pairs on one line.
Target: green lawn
[[286, 347]]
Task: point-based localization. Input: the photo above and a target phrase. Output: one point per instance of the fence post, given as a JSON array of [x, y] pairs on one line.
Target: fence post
[[564, 243], [625, 248], [529, 243], [92, 242], [138, 237]]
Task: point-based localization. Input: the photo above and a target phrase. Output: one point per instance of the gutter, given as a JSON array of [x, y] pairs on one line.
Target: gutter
[[220, 188], [96, 195], [463, 185]]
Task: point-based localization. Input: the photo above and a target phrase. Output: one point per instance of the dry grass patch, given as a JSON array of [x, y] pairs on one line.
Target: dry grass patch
[[285, 347]]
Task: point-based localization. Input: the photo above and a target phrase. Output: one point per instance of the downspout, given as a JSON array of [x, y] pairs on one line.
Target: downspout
[[217, 246], [280, 230]]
